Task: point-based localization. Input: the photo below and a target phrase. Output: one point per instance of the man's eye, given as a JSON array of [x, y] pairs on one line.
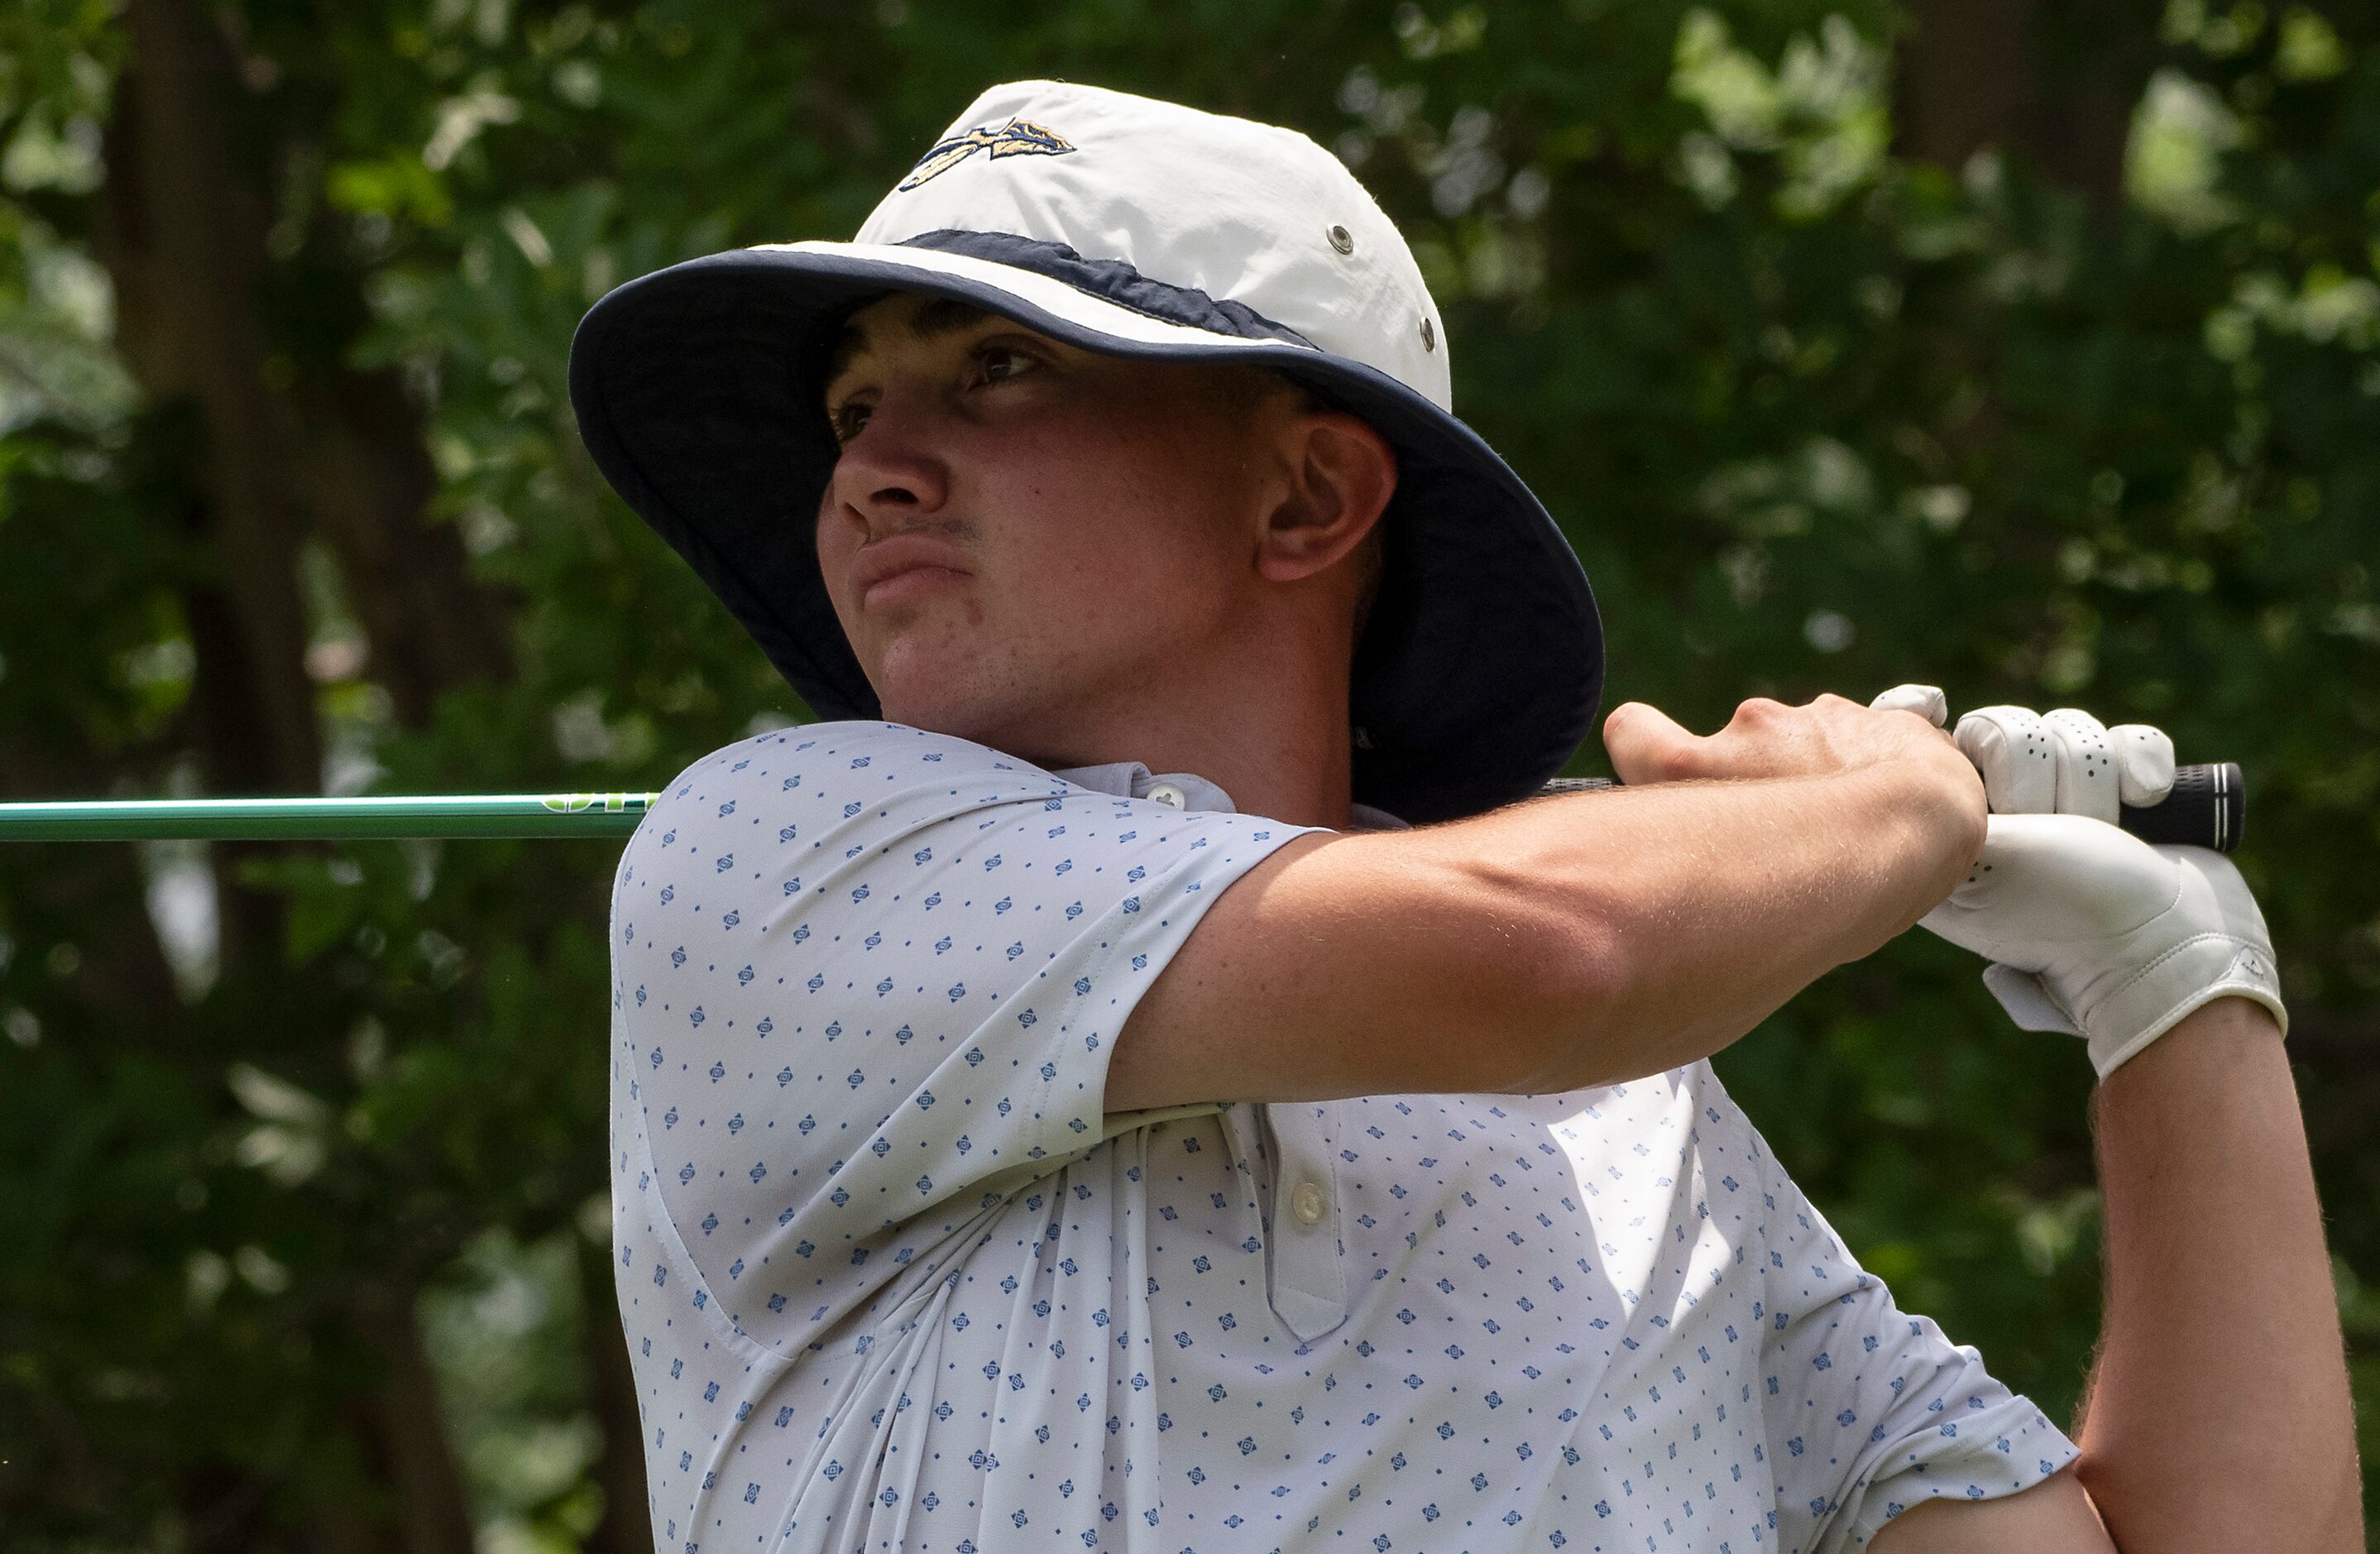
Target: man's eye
[[848, 418], [1000, 361]]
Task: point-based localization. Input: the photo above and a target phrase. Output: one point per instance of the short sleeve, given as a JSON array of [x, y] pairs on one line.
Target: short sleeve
[[1870, 1410], [869, 979]]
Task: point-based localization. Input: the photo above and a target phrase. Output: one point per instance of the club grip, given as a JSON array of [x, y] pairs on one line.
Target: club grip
[[2208, 805]]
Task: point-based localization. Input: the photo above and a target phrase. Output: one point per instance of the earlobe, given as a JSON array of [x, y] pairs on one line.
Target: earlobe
[[1341, 477]]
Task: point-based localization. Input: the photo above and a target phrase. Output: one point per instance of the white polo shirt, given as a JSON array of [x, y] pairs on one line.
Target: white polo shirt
[[891, 1281]]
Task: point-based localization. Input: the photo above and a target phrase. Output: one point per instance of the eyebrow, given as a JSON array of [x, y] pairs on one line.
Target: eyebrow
[[938, 319]]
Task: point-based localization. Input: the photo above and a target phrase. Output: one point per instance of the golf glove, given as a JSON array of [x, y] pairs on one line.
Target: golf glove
[[2089, 929]]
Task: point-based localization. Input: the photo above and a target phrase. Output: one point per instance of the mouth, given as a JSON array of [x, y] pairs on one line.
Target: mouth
[[902, 568], [908, 585]]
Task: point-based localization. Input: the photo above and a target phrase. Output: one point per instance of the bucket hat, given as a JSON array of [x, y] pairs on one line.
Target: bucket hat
[[1137, 228]]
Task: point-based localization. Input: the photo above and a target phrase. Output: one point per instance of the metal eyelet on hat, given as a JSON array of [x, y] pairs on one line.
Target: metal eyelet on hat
[[1429, 336], [1342, 239]]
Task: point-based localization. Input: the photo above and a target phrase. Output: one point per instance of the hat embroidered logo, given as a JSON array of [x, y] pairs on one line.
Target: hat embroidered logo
[[1016, 138]]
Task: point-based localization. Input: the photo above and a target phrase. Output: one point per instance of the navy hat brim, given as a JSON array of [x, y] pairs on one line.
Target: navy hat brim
[[698, 392]]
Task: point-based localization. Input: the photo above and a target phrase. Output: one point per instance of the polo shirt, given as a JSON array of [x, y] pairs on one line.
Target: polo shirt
[[892, 1278]]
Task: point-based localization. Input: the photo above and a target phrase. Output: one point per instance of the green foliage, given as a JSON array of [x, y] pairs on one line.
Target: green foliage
[[1816, 415]]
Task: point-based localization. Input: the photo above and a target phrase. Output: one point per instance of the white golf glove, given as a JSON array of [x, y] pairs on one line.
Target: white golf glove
[[2089, 929]]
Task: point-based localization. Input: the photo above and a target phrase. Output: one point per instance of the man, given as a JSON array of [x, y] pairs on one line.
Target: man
[[1073, 1101]]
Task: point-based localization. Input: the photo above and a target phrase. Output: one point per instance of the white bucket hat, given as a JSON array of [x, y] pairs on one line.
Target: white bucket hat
[[1136, 228]]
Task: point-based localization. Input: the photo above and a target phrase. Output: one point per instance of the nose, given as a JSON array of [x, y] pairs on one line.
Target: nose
[[889, 478]]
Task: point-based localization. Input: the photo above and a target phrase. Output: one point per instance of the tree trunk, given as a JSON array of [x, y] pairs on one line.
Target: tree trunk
[[183, 232], [2053, 84], [433, 1505], [182, 227], [183, 237], [628, 1524], [226, 1509], [367, 483]]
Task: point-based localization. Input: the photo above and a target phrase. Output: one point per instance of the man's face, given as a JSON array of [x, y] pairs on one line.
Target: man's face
[[1021, 538]]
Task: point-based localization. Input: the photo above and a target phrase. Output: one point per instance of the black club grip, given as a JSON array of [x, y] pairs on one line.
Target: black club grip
[[2208, 807]]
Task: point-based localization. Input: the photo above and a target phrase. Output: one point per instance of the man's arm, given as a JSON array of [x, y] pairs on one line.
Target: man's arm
[[2218, 1416], [1567, 941]]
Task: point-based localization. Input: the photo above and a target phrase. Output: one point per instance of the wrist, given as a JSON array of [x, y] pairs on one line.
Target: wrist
[[1935, 819], [2205, 1051], [2234, 997]]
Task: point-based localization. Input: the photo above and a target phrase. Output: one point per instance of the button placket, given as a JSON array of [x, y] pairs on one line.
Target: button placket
[[1308, 1280]]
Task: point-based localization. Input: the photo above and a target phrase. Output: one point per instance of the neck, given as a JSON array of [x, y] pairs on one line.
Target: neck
[[1266, 725]]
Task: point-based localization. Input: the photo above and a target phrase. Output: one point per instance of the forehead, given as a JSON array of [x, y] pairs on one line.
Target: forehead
[[913, 316]]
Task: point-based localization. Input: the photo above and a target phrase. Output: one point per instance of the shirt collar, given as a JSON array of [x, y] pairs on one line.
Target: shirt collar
[[1131, 779]]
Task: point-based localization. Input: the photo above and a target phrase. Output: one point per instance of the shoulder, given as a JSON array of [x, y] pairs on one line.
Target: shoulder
[[844, 772], [785, 761], [891, 821], [800, 804]]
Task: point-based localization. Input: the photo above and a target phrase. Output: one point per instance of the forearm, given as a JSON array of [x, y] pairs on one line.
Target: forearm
[[1701, 908], [1570, 941], [2218, 1416]]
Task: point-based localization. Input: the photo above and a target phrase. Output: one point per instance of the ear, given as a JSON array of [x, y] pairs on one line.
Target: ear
[[1342, 474]]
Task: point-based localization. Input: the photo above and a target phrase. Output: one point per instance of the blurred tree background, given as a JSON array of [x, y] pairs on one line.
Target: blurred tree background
[[2033, 349]]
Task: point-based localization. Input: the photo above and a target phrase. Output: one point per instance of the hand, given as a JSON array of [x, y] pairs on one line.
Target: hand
[[2090, 930], [1768, 739], [2065, 762], [1909, 795]]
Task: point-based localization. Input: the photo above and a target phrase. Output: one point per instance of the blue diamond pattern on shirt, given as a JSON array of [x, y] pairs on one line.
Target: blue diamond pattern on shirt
[[910, 1288]]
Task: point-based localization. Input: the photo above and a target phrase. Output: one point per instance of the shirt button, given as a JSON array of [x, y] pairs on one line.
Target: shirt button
[[1170, 796], [1306, 1203]]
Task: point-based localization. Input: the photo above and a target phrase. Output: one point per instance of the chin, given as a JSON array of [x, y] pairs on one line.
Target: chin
[[1004, 694], [940, 696], [919, 676]]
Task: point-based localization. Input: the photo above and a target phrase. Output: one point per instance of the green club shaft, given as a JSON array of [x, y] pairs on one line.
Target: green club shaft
[[326, 819], [2206, 807]]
